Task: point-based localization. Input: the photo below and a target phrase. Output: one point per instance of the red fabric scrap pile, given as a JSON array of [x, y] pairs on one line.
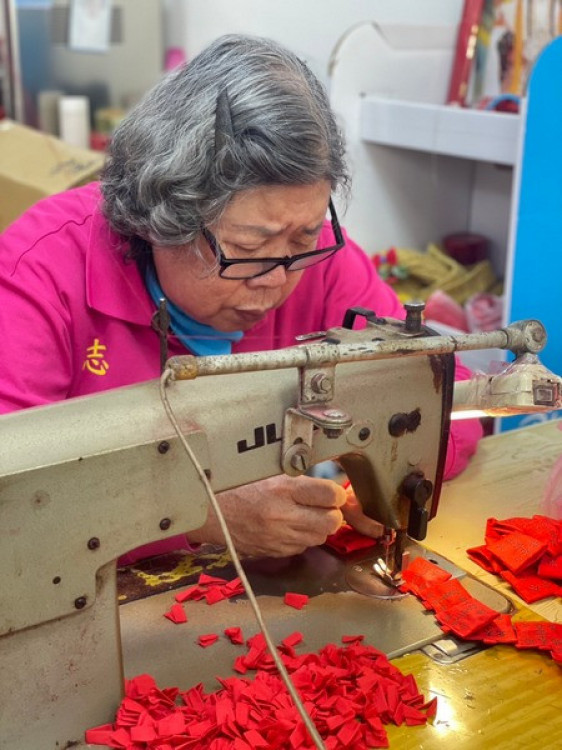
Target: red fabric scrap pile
[[461, 614], [525, 552], [350, 692]]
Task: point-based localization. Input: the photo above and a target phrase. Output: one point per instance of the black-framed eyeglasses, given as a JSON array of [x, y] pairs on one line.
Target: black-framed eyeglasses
[[250, 268]]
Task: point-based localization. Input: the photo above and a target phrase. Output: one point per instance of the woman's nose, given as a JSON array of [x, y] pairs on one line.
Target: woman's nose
[[274, 278]]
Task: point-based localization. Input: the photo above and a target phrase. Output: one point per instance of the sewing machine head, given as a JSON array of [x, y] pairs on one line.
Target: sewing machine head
[[86, 480]]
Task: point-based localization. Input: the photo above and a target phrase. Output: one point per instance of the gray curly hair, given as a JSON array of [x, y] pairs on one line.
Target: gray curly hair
[[246, 112]]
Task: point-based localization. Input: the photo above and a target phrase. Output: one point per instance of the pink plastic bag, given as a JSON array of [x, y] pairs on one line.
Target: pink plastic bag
[[444, 309], [484, 312]]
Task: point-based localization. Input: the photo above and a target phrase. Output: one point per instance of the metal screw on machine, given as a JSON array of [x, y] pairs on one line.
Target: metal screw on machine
[[299, 461], [296, 460], [165, 524], [163, 447], [333, 431], [414, 312], [335, 414], [94, 543], [320, 383], [80, 602]]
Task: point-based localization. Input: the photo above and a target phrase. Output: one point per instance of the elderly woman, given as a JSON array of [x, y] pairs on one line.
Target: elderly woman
[[215, 197]]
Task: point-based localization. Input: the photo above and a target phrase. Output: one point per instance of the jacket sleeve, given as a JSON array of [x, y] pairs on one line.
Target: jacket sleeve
[[35, 364], [354, 281]]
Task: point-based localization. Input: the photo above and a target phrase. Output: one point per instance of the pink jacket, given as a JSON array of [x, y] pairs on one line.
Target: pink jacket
[[75, 317]]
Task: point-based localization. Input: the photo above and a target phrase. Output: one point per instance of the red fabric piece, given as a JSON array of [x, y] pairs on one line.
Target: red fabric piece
[[235, 585], [293, 640], [420, 575], [496, 528], [206, 580], [532, 588], [550, 567], [193, 592], [542, 635], [483, 557], [101, 735], [431, 708], [214, 595], [176, 614], [130, 712], [144, 732], [517, 551], [352, 638], [171, 724], [298, 601], [547, 530], [347, 540], [500, 630], [118, 738], [431, 572], [234, 635], [254, 739], [207, 640], [445, 594], [466, 617]]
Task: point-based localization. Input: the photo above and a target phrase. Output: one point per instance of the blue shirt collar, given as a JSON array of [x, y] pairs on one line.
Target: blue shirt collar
[[202, 340]]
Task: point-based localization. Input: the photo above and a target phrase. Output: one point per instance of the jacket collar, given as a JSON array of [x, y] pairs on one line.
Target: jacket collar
[[113, 284]]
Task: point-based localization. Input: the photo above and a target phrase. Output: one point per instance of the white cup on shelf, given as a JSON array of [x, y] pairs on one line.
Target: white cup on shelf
[[74, 120]]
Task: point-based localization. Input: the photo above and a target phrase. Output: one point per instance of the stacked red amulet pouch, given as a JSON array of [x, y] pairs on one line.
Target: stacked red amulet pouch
[[525, 552], [459, 613]]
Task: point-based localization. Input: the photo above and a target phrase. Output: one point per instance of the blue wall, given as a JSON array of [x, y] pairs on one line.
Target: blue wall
[[537, 273]]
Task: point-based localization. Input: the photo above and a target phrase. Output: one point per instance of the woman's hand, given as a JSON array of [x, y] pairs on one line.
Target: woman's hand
[[354, 516], [277, 517], [282, 516]]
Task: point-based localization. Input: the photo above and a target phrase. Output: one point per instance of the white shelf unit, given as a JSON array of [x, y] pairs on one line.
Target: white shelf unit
[[452, 131], [420, 169]]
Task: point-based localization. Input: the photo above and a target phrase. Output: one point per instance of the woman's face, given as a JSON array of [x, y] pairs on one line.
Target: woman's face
[[272, 221]]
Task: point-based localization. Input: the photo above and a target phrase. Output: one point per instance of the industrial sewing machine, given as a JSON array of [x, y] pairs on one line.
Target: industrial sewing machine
[[84, 481]]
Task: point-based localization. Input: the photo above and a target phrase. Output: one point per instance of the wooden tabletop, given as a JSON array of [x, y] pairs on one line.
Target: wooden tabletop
[[507, 477], [501, 698]]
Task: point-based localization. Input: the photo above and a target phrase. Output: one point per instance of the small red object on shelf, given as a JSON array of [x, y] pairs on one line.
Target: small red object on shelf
[[466, 248]]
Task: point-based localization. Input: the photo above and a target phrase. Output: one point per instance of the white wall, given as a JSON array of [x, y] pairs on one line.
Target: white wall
[[311, 28], [402, 198]]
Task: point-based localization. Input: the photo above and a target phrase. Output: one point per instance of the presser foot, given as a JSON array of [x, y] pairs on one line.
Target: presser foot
[[380, 577], [363, 578], [389, 576]]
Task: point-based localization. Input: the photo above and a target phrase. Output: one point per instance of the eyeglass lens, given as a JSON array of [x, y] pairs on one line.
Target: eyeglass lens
[[260, 268]]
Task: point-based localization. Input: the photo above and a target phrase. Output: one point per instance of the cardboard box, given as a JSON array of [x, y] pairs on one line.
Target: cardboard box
[[34, 165]]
